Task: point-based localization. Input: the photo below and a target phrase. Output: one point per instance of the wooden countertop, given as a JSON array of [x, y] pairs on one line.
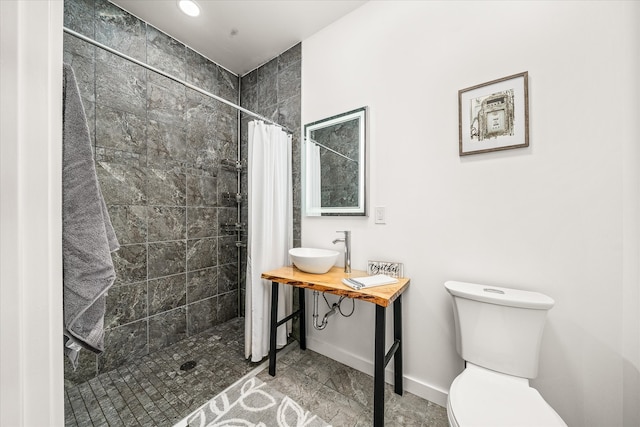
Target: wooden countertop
[[331, 282]]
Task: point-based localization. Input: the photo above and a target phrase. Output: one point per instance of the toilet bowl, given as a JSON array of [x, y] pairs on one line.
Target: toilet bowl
[[498, 334], [483, 398]]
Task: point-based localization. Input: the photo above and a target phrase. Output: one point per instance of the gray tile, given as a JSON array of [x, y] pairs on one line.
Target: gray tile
[[227, 306], [227, 278], [249, 96], [78, 16], [81, 56], [167, 293], [436, 416], [130, 263], [202, 284], [120, 130], [166, 100], [165, 53], [123, 158], [81, 415], [120, 84], [120, 30], [202, 190], [289, 115], [202, 315], [104, 403], [122, 344], [202, 253], [291, 57], [202, 222], [166, 186], [200, 71], [333, 407], [125, 304], [86, 369], [153, 390], [166, 223], [122, 184], [267, 85], [355, 384], [166, 142], [166, 258], [289, 80], [227, 250], [167, 328], [228, 183], [293, 383], [227, 85], [227, 219], [201, 136], [129, 223]]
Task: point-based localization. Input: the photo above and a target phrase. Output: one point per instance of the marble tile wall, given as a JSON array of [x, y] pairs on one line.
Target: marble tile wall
[[158, 149], [273, 90], [339, 176]]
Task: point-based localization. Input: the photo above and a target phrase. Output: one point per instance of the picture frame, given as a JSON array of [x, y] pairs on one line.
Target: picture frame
[[494, 116]]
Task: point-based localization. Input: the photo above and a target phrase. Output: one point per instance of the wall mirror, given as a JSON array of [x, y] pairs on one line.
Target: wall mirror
[[335, 165]]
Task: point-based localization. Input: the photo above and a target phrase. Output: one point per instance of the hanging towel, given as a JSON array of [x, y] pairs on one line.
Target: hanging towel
[[88, 237]]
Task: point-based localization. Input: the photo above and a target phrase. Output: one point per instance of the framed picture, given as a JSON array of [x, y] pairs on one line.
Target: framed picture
[[494, 116]]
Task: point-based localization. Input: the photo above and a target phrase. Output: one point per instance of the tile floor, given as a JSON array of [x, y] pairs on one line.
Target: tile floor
[[153, 391]]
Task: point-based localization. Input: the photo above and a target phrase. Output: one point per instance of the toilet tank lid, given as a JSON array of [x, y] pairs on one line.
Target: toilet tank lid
[[500, 296]]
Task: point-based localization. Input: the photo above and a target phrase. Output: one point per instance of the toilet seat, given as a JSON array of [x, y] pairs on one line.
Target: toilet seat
[[484, 398]]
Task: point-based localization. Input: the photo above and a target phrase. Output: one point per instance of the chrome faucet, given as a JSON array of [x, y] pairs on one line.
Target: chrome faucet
[[347, 249]]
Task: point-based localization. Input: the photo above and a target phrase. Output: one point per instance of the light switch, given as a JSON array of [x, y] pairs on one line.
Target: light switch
[[380, 215]]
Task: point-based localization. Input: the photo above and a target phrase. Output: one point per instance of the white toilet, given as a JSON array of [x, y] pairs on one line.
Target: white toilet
[[498, 334]]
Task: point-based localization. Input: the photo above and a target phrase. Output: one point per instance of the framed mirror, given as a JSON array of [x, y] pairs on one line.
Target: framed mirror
[[334, 166]]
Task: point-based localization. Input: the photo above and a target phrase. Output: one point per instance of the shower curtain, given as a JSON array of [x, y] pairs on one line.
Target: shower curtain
[[270, 233]]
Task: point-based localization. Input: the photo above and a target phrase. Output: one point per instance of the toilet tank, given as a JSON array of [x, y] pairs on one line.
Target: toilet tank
[[499, 328]]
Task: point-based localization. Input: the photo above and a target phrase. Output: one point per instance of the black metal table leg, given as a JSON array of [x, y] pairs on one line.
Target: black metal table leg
[[397, 336], [379, 363], [274, 328], [303, 329]]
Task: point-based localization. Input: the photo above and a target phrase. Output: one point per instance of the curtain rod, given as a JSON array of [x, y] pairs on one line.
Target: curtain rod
[[175, 79], [327, 148]]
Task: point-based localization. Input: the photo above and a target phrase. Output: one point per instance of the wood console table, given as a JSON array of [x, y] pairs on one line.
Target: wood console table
[[331, 282]]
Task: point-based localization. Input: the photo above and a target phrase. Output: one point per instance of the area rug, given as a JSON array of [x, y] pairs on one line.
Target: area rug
[[251, 403]]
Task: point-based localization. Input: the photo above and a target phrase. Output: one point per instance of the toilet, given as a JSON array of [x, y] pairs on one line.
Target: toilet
[[498, 334]]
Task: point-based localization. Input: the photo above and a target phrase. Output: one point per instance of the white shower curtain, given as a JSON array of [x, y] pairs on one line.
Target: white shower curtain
[[270, 233]]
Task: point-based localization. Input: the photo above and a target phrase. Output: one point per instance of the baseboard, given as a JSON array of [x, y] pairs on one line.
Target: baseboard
[[412, 385]]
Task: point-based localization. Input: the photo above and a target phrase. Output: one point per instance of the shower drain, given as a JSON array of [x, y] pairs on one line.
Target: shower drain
[[188, 365]]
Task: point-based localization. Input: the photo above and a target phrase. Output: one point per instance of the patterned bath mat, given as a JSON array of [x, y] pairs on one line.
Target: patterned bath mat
[[251, 403]]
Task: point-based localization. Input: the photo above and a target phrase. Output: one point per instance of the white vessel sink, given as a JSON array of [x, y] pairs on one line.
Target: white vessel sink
[[310, 260]]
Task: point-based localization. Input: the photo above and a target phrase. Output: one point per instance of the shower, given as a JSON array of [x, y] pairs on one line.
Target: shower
[[169, 134]]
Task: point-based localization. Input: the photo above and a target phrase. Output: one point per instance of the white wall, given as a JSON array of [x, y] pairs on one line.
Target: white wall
[[30, 210], [559, 217]]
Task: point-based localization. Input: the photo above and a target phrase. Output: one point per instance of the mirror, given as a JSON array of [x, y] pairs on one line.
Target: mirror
[[334, 165]]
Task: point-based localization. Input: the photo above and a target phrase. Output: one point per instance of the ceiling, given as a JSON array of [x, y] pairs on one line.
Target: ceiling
[[241, 35]]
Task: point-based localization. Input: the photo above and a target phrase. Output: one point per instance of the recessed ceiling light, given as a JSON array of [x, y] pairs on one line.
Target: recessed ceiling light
[[189, 7]]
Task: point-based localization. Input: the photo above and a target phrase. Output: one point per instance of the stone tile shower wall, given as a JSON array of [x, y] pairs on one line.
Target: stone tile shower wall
[[158, 151], [273, 90], [338, 175]]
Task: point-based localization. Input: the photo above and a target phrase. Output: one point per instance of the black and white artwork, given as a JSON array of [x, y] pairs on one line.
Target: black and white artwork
[[494, 116]]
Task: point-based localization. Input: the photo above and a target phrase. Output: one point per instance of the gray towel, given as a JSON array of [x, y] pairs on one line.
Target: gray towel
[[88, 237]]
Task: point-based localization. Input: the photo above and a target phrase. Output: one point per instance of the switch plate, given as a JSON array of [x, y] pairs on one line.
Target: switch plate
[[380, 215]]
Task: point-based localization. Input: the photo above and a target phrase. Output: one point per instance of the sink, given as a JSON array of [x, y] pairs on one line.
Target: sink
[[310, 260]]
